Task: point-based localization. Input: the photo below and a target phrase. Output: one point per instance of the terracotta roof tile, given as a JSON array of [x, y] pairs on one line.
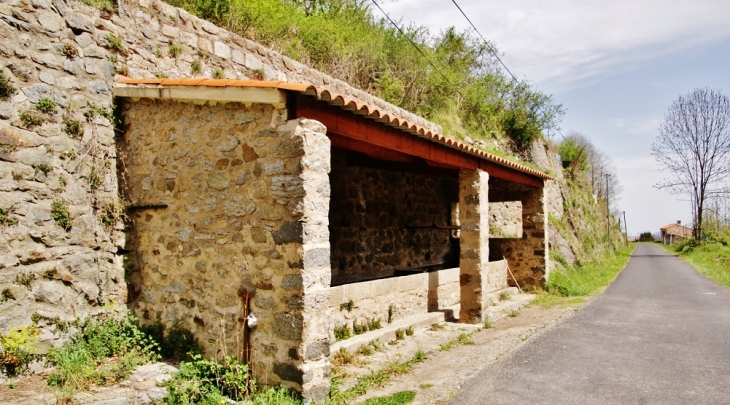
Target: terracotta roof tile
[[345, 103]]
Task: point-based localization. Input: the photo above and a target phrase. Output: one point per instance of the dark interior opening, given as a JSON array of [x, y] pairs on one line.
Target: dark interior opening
[[389, 219]]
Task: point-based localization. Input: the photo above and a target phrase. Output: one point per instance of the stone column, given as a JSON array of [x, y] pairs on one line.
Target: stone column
[[314, 349], [474, 243]]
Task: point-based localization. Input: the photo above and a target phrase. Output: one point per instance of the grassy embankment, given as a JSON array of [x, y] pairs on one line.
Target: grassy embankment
[[572, 285], [710, 259]]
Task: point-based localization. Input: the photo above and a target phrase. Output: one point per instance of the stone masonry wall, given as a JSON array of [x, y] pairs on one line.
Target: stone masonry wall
[[526, 256], [370, 213], [246, 212], [66, 51]]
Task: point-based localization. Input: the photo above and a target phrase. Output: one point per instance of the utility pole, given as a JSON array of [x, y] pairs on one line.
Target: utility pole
[[626, 228], [608, 222]]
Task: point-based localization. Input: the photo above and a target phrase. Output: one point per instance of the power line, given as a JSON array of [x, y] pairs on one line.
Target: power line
[[489, 47], [417, 48]]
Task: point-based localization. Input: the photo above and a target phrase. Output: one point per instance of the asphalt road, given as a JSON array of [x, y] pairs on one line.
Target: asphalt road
[[660, 334]]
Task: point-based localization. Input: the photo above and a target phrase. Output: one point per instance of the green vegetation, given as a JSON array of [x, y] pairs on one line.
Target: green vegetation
[[5, 218], [104, 5], [115, 43], [44, 168], [110, 213], [6, 89], [462, 339], [467, 92], [343, 332], [6, 295], [573, 284], [176, 343], [347, 305], [174, 50], [403, 397], [710, 259], [102, 351], [60, 215], [46, 105], [30, 119], [95, 179], [218, 73], [18, 349], [93, 110], [24, 279], [202, 381], [195, 67], [72, 127], [69, 51]]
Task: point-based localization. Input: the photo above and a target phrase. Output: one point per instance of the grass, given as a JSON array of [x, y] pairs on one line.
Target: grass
[[710, 259], [462, 339], [574, 284], [403, 397]]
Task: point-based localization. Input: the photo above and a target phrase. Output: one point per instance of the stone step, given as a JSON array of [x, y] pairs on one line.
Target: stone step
[[387, 333]]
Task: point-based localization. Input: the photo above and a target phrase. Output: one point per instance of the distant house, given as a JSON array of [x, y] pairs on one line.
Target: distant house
[[675, 232]]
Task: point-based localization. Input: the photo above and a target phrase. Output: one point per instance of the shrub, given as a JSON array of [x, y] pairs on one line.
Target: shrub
[[18, 347], [5, 218], [115, 43], [218, 73], [30, 119], [72, 127], [69, 51], [174, 50], [196, 67], [46, 105], [342, 332], [208, 382]]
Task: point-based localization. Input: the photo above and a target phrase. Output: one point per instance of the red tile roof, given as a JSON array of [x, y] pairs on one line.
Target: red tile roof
[[345, 103]]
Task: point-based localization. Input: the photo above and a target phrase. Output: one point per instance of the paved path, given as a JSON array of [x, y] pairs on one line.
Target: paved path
[[660, 334]]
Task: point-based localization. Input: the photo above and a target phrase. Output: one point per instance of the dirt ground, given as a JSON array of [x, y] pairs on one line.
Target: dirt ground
[[437, 379]]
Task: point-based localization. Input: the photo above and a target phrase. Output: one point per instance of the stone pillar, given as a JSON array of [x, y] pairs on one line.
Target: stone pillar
[[474, 243], [316, 272]]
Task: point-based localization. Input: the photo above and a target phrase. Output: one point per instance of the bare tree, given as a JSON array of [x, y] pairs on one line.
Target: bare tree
[[694, 145]]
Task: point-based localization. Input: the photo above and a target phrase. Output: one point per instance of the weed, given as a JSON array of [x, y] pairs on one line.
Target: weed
[[5, 218], [24, 279], [374, 324], [104, 350], [420, 355], [342, 332], [504, 296], [462, 339], [513, 313], [203, 54], [95, 179], [6, 295], [46, 105], [92, 110], [259, 74], [103, 5], [347, 305], [60, 215], [123, 70], [59, 325], [115, 43], [409, 331], [377, 345], [436, 326], [195, 67], [50, 274], [45, 168], [403, 397], [208, 382], [111, 213], [218, 73], [30, 119], [161, 75], [18, 348], [158, 52], [72, 127], [6, 89], [425, 386], [399, 334], [391, 312], [365, 350], [174, 50], [359, 328], [112, 58], [68, 154], [487, 322], [343, 358]]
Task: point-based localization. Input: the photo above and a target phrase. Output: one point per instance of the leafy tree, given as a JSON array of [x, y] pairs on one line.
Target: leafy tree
[[694, 146]]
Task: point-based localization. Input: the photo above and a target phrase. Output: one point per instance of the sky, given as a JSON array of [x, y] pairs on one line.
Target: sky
[[616, 66]]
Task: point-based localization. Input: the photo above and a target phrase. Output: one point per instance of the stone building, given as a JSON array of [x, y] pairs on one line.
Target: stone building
[[257, 197], [275, 197]]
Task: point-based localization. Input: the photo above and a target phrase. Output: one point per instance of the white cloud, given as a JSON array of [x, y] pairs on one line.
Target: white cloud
[[564, 44], [641, 126]]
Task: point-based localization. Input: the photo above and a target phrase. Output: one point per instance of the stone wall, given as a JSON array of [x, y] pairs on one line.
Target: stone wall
[[66, 51], [245, 196], [381, 221], [401, 296], [526, 256], [505, 219]]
